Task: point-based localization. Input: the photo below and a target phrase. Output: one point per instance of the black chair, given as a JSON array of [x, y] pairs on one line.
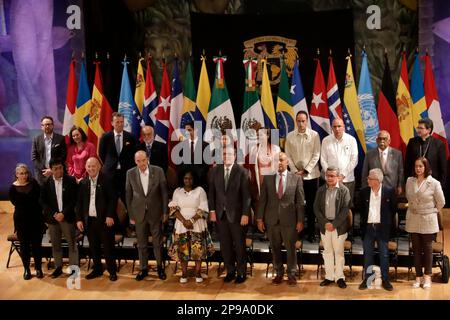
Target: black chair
[[15, 247]]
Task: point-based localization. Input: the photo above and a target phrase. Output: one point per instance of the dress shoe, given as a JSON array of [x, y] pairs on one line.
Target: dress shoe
[[162, 273], [229, 277], [240, 279], [326, 282], [113, 277], [277, 280], [292, 281], [94, 274], [341, 283], [27, 274], [387, 285], [39, 274], [363, 285], [56, 273], [141, 275]]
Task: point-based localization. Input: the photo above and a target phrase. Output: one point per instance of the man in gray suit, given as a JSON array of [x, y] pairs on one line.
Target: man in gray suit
[[281, 209], [386, 158], [229, 205], [147, 200]]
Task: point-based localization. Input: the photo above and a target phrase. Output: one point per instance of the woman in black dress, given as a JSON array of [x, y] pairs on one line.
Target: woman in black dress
[[28, 219]]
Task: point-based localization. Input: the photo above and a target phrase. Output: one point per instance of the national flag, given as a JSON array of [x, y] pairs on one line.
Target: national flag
[[267, 100], [203, 95], [350, 129], [101, 113], [127, 106], [404, 104], [419, 107], [163, 109], [71, 101], [81, 118], [352, 105], [387, 113], [297, 94], [367, 105], [176, 107], [150, 98], [189, 96], [320, 118], [433, 105], [334, 100], [285, 111], [139, 91], [220, 113]]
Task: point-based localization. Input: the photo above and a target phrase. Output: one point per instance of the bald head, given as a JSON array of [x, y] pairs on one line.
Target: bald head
[[283, 162], [141, 159], [93, 167], [338, 128], [148, 134]]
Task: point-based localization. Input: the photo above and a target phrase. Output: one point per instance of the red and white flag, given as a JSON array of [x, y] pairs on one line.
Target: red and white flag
[[71, 101]]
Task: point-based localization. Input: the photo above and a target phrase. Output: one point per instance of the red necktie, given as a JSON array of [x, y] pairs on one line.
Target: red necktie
[[280, 187]]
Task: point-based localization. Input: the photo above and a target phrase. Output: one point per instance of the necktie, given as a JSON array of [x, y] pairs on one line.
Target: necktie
[[227, 177], [118, 149], [149, 151], [280, 187], [192, 152], [383, 161]]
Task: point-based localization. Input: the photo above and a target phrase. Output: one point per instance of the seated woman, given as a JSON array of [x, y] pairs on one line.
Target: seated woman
[[78, 152], [191, 240]]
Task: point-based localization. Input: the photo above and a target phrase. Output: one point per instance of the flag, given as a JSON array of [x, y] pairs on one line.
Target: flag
[[350, 129], [387, 113], [433, 105], [252, 112], [203, 95], [150, 98], [220, 113], [404, 104], [139, 91], [367, 105], [334, 100], [81, 118], [320, 119], [127, 106], [71, 101], [285, 111], [419, 107], [163, 109], [297, 94], [176, 107], [189, 96], [266, 99], [101, 114], [352, 105]]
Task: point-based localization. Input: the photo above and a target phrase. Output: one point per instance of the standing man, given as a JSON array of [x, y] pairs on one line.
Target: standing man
[[281, 210], [425, 145], [386, 158], [46, 146], [331, 207], [96, 212], [156, 151], [303, 152], [58, 199], [147, 202], [229, 205], [378, 210]]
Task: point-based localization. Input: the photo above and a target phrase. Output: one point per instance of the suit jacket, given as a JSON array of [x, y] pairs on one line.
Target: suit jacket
[[342, 208], [287, 211], [156, 200], [393, 173], [105, 199], [159, 156], [58, 150], [235, 201], [201, 169], [108, 153], [49, 201], [436, 155], [387, 210]]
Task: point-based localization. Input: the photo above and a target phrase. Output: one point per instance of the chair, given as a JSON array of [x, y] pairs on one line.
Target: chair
[[15, 246]]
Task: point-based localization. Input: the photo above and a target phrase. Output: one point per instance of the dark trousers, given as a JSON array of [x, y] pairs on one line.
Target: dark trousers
[[423, 253], [142, 234], [277, 236], [310, 189], [232, 245], [119, 184], [100, 234], [373, 233], [30, 243]]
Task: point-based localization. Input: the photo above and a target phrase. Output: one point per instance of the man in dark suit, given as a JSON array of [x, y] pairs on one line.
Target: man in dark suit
[[425, 145], [378, 210], [386, 158], [281, 208], [96, 212], [331, 206], [229, 205], [46, 146], [156, 151], [58, 199], [147, 200]]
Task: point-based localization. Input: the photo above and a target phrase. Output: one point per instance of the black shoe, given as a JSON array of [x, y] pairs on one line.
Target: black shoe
[[387, 285], [292, 281], [229, 277], [363, 285], [240, 279], [56, 273], [27, 274], [39, 274], [113, 277], [162, 273], [141, 275], [94, 274], [326, 282], [341, 283]]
